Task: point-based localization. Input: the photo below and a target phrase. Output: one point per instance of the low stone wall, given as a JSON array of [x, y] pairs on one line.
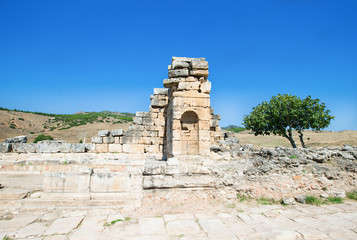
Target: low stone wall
[[273, 173], [48, 146]]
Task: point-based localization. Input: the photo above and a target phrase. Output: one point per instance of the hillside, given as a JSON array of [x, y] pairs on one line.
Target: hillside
[[67, 127]]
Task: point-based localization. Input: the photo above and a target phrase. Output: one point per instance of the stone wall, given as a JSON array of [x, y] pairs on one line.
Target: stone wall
[[47, 146], [180, 120]]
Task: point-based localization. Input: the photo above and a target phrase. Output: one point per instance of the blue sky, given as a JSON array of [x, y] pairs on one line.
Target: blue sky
[[69, 56]]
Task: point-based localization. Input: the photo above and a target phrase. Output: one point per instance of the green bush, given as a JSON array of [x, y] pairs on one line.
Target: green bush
[[352, 195], [42, 137], [313, 200]]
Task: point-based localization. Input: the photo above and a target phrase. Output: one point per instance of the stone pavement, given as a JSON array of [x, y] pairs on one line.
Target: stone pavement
[[240, 221]]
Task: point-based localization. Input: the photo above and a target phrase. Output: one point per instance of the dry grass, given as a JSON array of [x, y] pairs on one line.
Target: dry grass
[[312, 139]]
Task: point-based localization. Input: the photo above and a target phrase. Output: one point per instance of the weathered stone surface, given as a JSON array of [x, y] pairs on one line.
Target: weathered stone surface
[[117, 132], [108, 139], [17, 139], [301, 199], [63, 225], [188, 86], [102, 148], [183, 59], [33, 229], [288, 201], [179, 65], [103, 133], [89, 147], [179, 73], [52, 146], [199, 73], [110, 182], [97, 140], [78, 147], [199, 63], [5, 147], [205, 87], [182, 227], [115, 148], [161, 91], [24, 147]]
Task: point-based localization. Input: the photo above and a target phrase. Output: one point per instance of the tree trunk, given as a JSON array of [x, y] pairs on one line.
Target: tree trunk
[[301, 136], [290, 138]]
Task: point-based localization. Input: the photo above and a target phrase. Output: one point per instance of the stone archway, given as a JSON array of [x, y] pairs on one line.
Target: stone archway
[[189, 133]]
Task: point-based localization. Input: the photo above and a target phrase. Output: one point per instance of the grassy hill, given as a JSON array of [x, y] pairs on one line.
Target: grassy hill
[[68, 127]]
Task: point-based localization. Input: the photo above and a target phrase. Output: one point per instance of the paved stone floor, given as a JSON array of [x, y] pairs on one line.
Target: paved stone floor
[[241, 221]]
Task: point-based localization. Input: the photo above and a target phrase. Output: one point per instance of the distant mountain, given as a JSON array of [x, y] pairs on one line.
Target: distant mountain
[[232, 126]]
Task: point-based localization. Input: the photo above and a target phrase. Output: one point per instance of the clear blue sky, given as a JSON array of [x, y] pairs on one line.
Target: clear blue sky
[[69, 56]]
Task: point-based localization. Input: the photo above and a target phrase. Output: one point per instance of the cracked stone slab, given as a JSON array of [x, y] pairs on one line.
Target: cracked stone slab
[[91, 228], [17, 222], [182, 227], [63, 225], [215, 229], [33, 229], [173, 217]]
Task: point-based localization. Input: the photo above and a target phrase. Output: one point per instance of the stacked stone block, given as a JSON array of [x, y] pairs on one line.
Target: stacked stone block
[[191, 123], [180, 120]]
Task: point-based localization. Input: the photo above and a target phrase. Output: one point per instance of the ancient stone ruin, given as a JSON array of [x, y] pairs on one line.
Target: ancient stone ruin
[[124, 167], [180, 121]]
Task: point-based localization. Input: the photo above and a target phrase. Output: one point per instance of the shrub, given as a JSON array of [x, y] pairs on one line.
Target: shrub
[[313, 200], [335, 200], [352, 195], [42, 137], [266, 201]]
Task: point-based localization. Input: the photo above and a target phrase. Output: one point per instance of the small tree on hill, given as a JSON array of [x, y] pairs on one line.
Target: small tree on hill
[[42, 137], [285, 113]]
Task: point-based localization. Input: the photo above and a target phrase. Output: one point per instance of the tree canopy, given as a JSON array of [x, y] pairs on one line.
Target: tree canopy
[[285, 113]]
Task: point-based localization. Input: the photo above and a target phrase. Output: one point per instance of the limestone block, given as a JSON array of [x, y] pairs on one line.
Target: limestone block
[[117, 140], [89, 147], [101, 148], [199, 63], [24, 147], [169, 67], [161, 91], [204, 125], [61, 182], [159, 122], [110, 182], [204, 147], [17, 139], [133, 148], [180, 73], [115, 148], [183, 59], [176, 147], [138, 120], [212, 111], [103, 133], [205, 87], [179, 65], [152, 149], [191, 79], [204, 135], [117, 132], [136, 128], [188, 86], [204, 113], [150, 133], [51, 146], [141, 114], [216, 116], [134, 133], [153, 128], [176, 124], [146, 141], [108, 139], [148, 121], [78, 147], [97, 140], [214, 123], [158, 102], [190, 94], [161, 133], [199, 73], [5, 147]]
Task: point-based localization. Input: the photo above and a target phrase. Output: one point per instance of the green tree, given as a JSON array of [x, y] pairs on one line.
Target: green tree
[[285, 113]]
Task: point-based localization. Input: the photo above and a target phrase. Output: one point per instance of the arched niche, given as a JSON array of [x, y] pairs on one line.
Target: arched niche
[[189, 133]]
